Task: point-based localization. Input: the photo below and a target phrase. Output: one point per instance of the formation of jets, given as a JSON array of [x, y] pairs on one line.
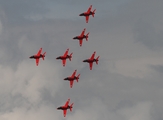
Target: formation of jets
[[69, 56]]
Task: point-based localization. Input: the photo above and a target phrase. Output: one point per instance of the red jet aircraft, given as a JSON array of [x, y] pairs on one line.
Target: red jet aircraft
[[65, 107], [81, 37], [88, 13], [91, 60], [38, 56], [72, 78], [64, 57]]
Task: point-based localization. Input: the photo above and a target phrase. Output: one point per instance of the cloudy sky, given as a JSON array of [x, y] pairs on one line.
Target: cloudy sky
[[127, 83]]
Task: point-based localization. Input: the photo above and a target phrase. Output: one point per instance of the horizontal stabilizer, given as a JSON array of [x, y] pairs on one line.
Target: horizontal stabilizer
[[71, 106], [93, 12], [70, 56], [97, 60], [43, 55]]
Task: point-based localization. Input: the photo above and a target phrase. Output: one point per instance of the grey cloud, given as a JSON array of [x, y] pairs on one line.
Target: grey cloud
[[147, 34], [158, 68], [17, 10], [145, 18]]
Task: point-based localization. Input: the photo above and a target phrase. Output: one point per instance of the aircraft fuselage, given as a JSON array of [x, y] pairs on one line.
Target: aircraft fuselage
[[64, 108], [70, 78], [80, 37], [86, 14], [88, 60], [63, 57], [36, 57]]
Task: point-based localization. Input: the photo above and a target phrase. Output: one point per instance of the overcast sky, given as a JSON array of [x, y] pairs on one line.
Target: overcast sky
[[127, 83]]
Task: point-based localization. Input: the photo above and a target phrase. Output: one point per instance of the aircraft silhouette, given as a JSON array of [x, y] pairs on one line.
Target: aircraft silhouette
[[72, 78], [91, 60], [88, 13], [65, 107], [81, 37], [64, 57], [38, 56]]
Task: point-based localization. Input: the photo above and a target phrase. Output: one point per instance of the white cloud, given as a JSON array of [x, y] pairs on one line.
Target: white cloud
[[141, 111], [137, 67]]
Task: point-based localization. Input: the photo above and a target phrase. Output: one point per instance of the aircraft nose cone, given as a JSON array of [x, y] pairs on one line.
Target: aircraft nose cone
[[74, 38], [64, 79], [80, 14], [57, 58], [30, 57]]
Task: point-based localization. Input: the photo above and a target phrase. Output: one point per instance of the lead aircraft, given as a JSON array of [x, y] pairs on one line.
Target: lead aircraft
[[64, 57], [65, 107], [91, 60], [38, 56], [88, 13], [72, 78], [81, 37]]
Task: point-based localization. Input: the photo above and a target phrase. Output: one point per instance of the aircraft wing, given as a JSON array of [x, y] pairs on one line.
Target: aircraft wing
[[71, 83], [66, 104], [82, 32], [89, 9], [37, 61], [90, 65], [64, 62], [39, 52], [73, 75], [87, 18], [64, 113], [66, 53], [93, 55], [80, 42]]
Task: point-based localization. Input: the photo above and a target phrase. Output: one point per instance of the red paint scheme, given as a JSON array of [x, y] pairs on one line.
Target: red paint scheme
[[88, 13], [38, 56], [65, 107], [64, 57], [72, 78], [81, 37], [91, 60]]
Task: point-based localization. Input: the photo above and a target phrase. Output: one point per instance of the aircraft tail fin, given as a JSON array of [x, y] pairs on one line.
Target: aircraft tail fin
[[97, 60], [93, 12], [77, 78], [43, 55], [71, 106], [70, 56], [87, 36]]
